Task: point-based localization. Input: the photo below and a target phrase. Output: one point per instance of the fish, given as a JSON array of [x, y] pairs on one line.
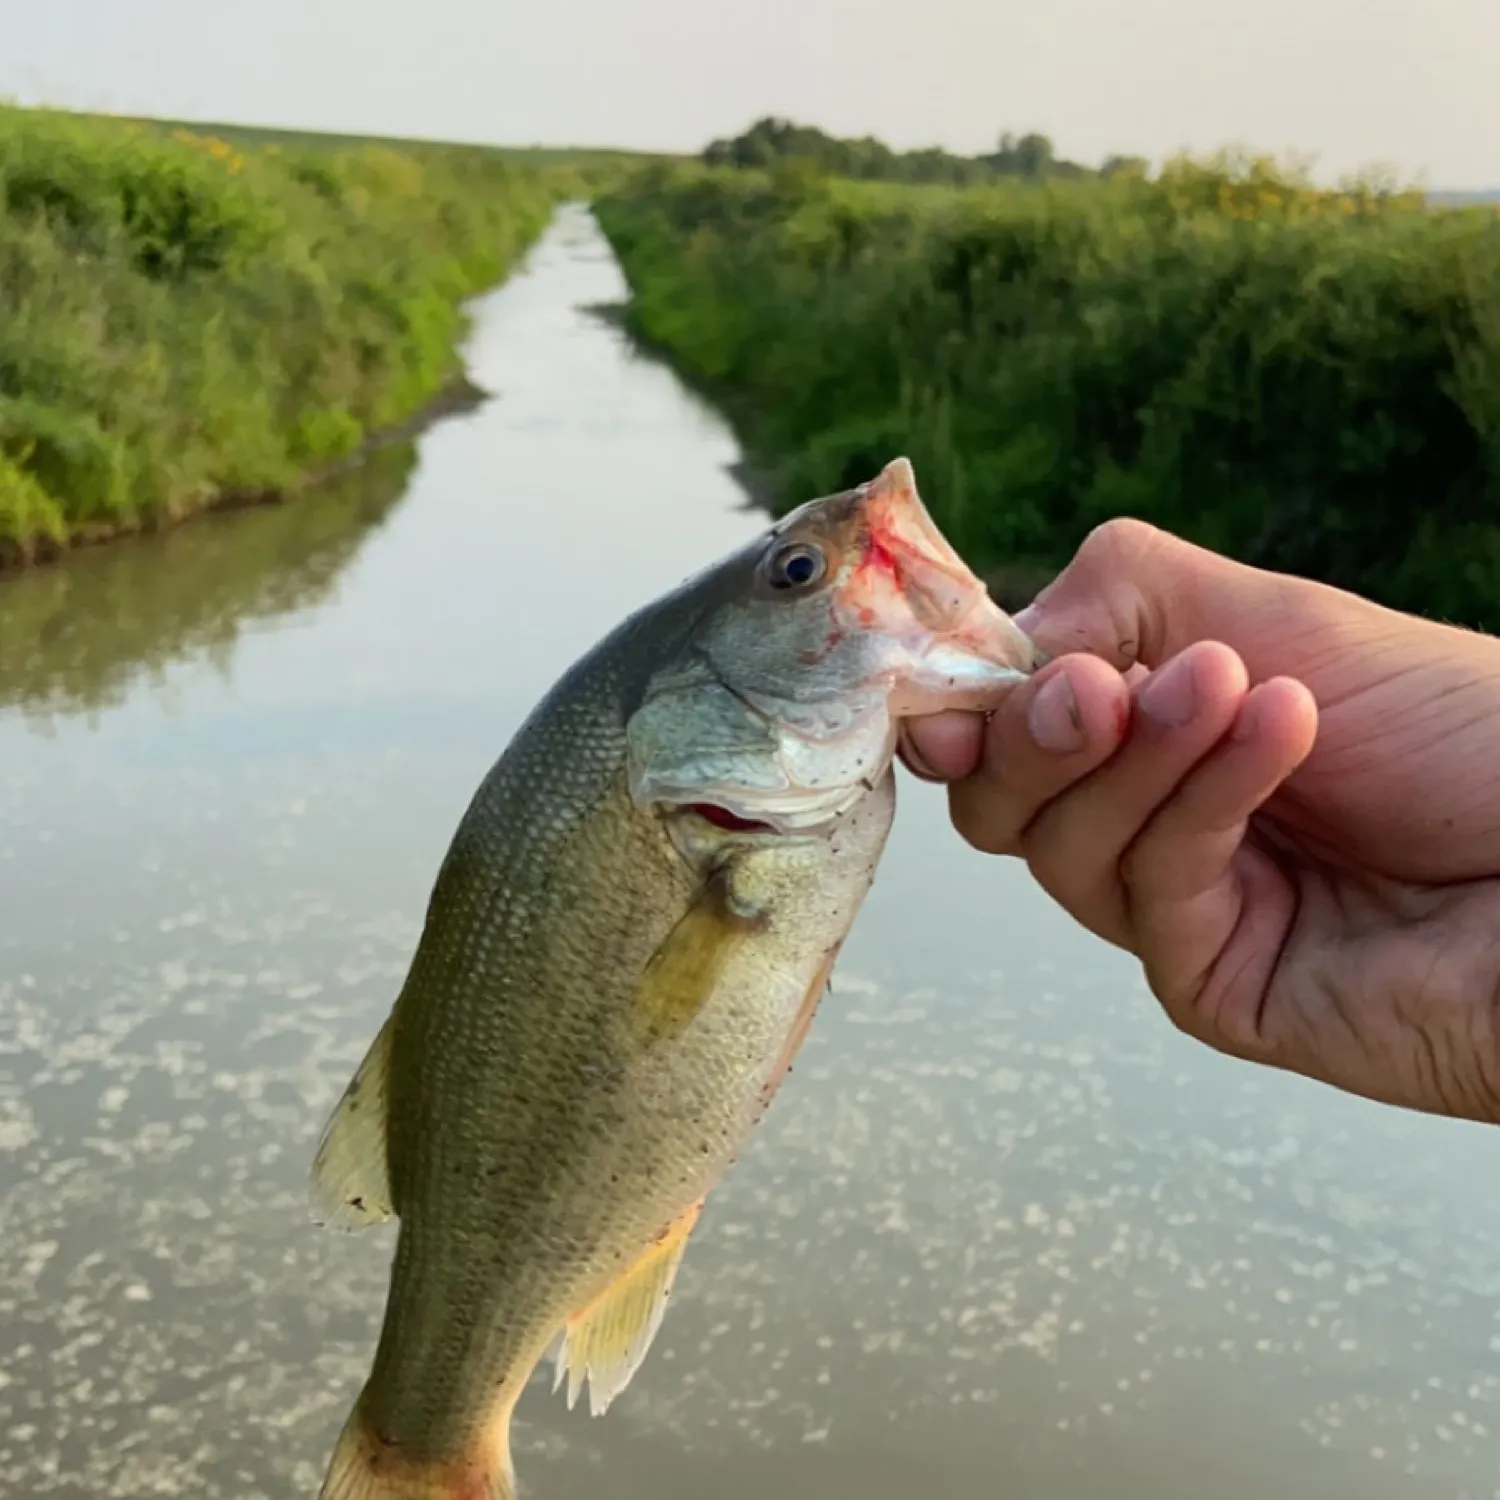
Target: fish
[[622, 954]]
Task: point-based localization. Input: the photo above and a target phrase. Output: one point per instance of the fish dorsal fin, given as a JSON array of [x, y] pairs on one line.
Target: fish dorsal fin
[[606, 1343], [351, 1186]]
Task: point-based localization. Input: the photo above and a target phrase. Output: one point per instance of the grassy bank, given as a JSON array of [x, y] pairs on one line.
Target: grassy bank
[[1302, 378], [185, 320]]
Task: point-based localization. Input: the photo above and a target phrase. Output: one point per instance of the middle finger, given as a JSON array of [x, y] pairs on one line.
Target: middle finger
[[1075, 845]]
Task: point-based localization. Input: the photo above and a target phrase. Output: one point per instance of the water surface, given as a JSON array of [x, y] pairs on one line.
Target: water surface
[[1005, 1233]]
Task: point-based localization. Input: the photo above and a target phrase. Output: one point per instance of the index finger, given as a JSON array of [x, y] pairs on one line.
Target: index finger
[[1135, 594]]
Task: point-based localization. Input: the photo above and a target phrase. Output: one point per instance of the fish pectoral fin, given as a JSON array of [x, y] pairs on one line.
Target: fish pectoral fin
[[350, 1187], [607, 1342], [681, 975]]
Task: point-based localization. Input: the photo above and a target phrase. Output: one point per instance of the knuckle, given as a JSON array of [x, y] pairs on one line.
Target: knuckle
[[996, 810], [1184, 1018], [1050, 874], [986, 824], [1139, 864], [987, 838], [1053, 857], [1180, 1003], [1107, 595], [1121, 539]]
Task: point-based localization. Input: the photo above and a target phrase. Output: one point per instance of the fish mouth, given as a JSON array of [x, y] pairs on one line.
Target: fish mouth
[[958, 646], [785, 817], [730, 822]]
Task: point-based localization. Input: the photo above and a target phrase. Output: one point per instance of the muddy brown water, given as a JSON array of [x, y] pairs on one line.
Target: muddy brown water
[[1004, 1233]]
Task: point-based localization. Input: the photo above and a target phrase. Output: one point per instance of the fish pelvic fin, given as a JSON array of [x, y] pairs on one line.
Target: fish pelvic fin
[[607, 1341], [351, 1186], [364, 1467]]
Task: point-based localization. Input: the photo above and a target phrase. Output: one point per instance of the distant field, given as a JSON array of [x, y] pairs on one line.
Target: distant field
[[266, 135], [1457, 199]]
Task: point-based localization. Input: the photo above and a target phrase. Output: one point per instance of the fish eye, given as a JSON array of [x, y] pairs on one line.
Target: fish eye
[[797, 565]]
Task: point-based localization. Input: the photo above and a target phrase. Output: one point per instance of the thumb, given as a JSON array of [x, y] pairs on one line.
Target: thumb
[[1133, 593]]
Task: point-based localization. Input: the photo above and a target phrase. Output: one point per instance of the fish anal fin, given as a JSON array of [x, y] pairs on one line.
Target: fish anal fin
[[607, 1341], [350, 1187], [681, 975], [365, 1468]]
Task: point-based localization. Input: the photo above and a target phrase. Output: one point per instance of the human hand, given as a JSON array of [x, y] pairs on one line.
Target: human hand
[[1285, 800]]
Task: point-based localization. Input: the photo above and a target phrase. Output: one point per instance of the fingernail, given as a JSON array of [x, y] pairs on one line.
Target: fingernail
[[1054, 720], [1027, 618], [1169, 695]]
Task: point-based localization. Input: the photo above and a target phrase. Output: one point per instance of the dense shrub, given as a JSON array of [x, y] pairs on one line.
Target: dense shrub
[[1309, 379], [182, 317]]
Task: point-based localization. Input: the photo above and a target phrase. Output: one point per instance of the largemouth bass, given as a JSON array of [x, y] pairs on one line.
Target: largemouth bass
[[622, 953]]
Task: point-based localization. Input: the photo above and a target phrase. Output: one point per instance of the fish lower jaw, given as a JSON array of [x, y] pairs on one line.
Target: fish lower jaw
[[945, 675]]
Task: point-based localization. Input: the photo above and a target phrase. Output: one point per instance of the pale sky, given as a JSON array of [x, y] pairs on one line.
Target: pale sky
[[1414, 83]]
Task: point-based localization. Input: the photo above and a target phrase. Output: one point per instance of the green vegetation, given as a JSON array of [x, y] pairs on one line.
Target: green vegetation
[[1307, 379], [185, 321], [773, 142]]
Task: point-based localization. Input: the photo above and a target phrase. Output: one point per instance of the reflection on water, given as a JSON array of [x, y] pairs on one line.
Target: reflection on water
[[75, 637], [1004, 1234]]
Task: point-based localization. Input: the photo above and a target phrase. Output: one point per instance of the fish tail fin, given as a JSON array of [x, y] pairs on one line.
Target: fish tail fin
[[364, 1467]]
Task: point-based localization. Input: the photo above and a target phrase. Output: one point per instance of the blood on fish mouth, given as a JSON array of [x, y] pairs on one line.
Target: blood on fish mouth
[[721, 817]]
